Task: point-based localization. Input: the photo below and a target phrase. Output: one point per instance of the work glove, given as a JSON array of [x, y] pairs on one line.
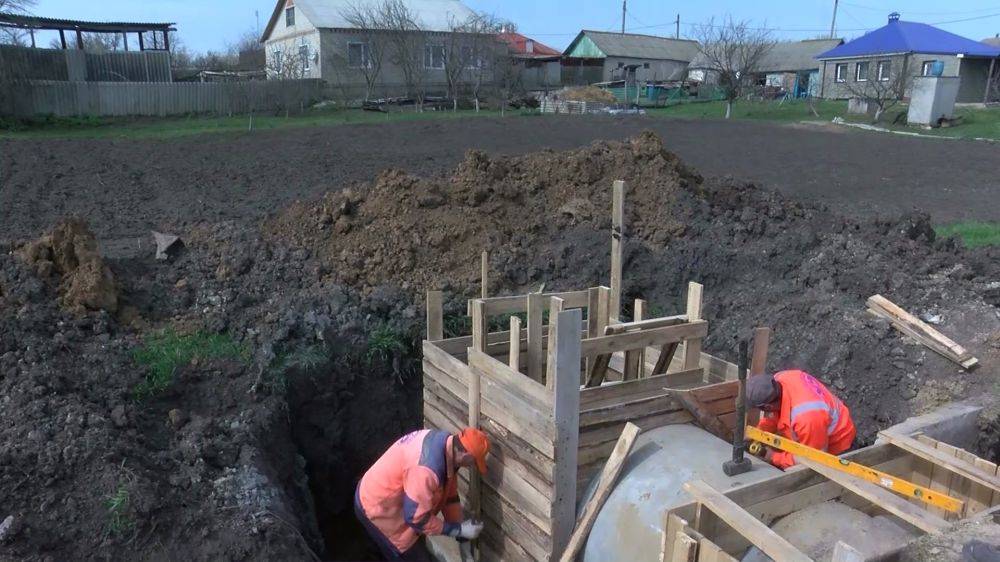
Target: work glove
[[469, 529]]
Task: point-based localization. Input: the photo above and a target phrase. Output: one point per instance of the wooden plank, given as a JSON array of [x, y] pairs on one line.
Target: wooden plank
[[745, 524], [605, 484], [921, 331], [658, 404], [673, 526], [708, 551], [594, 325], [634, 357], [982, 497], [555, 307], [912, 514], [685, 549], [706, 419], [518, 528], [843, 552], [939, 458], [536, 304], [590, 436], [435, 315], [566, 388], [531, 390], [717, 391], [484, 270], [621, 392], [666, 355], [514, 353], [598, 370], [660, 322], [692, 347], [445, 361], [515, 409], [499, 306], [645, 338], [617, 247]]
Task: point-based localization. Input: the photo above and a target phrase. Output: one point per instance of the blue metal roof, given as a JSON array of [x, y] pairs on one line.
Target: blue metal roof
[[910, 37]]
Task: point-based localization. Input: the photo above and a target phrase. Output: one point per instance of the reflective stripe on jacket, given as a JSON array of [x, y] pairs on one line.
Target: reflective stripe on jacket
[[405, 490], [810, 414]]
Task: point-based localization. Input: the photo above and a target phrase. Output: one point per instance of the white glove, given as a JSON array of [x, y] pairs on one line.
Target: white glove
[[470, 529]]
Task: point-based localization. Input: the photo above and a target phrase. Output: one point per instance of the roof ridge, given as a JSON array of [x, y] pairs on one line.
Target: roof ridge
[[637, 35]]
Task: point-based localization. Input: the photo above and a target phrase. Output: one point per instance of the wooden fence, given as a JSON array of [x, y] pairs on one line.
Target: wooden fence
[[64, 99]]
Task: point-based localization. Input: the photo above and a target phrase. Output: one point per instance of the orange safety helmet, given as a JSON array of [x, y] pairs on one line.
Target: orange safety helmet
[[477, 444]]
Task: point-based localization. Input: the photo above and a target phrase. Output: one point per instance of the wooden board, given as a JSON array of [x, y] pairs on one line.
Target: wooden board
[[435, 315], [709, 421], [633, 361], [499, 306], [622, 392], [745, 524], [535, 305], [514, 353], [912, 514], [567, 358], [530, 390], [645, 338], [605, 485], [692, 347], [941, 459], [617, 247], [921, 331]]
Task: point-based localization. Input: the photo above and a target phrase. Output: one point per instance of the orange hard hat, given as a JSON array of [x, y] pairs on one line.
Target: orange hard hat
[[476, 444]]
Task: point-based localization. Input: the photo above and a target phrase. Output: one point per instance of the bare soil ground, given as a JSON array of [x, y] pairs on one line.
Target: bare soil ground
[[126, 187], [255, 457]]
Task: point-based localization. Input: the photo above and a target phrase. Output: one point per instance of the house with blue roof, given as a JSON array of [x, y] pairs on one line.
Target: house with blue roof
[[914, 49]]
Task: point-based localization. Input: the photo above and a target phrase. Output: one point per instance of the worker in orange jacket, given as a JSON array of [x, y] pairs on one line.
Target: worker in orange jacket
[[796, 406], [400, 497]]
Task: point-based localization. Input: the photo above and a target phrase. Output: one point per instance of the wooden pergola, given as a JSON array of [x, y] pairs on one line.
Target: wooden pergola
[[33, 23]]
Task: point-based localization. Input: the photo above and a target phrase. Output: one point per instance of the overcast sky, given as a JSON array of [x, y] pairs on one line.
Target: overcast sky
[[212, 24]]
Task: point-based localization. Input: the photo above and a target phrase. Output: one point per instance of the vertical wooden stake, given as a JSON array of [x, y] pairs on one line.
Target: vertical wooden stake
[[634, 358], [535, 358], [555, 307], [479, 332], [692, 348], [514, 355], [617, 243], [566, 389], [758, 364], [435, 315], [593, 319], [484, 269]]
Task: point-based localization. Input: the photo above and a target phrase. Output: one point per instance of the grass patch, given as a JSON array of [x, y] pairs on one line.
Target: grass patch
[[788, 111], [976, 123], [384, 343], [117, 505], [182, 126], [973, 233], [166, 352]]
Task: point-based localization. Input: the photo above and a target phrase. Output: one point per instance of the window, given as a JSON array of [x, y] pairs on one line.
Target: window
[[304, 56], [471, 57], [621, 65], [358, 55], [861, 72], [884, 68], [928, 68], [434, 56], [645, 65], [841, 73], [290, 16]]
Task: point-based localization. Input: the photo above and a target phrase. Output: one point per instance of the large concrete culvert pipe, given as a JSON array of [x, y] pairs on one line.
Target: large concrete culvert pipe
[[630, 525]]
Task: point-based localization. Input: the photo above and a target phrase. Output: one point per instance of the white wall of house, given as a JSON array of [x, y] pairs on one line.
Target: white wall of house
[[299, 43], [914, 66]]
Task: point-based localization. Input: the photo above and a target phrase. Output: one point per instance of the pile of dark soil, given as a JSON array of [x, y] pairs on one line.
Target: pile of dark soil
[[254, 456]]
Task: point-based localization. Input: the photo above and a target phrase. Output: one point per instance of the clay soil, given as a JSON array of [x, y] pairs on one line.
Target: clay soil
[[254, 456]]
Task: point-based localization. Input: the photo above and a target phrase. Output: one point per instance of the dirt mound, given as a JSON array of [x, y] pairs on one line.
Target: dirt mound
[[69, 254], [587, 93], [423, 232]]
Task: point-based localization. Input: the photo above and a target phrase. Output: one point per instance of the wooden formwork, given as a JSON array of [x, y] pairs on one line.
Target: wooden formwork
[[720, 525], [526, 388]]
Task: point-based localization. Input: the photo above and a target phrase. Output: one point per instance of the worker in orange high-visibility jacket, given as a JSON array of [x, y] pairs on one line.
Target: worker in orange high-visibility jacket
[[796, 406], [400, 498]]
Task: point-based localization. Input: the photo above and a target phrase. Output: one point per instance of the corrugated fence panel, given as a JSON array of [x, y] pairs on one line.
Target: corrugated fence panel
[[26, 99]]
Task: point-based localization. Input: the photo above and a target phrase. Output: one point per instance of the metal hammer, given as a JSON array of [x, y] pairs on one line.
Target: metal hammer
[[740, 463]]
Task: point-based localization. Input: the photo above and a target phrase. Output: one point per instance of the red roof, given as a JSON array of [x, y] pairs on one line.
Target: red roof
[[520, 45]]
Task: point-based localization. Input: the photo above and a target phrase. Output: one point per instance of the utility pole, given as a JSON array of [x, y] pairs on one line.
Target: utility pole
[[624, 2], [833, 24], [677, 30]]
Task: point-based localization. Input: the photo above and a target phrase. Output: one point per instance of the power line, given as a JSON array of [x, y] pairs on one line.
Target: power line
[[907, 12]]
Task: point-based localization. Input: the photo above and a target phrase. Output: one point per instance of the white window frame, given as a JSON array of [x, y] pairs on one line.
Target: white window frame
[[429, 56], [290, 11], [883, 70], [840, 72], [857, 71], [366, 60], [925, 68], [304, 56]]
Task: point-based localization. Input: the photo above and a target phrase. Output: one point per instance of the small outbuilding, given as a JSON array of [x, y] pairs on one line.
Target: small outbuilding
[[538, 63], [914, 49], [599, 56]]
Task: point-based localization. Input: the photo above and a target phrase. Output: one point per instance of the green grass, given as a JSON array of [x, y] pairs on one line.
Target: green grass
[[172, 127], [384, 343], [973, 233], [792, 110], [167, 351], [117, 504]]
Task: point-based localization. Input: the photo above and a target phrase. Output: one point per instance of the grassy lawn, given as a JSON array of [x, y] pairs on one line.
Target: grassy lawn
[[973, 233], [795, 110], [977, 123], [168, 127], [164, 353]]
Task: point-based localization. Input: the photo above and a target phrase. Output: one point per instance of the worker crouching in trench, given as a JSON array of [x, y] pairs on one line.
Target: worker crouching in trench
[[796, 406], [400, 498]]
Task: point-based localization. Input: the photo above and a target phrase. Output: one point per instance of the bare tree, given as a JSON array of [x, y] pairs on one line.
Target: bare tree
[[878, 84], [733, 50], [506, 76], [406, 47], [371, 23], [485, 49]]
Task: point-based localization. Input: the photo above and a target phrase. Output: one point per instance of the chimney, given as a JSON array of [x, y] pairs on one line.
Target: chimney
[[893, 17]]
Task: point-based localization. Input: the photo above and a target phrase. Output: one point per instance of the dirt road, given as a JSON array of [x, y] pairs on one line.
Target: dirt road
[[126, 187]]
